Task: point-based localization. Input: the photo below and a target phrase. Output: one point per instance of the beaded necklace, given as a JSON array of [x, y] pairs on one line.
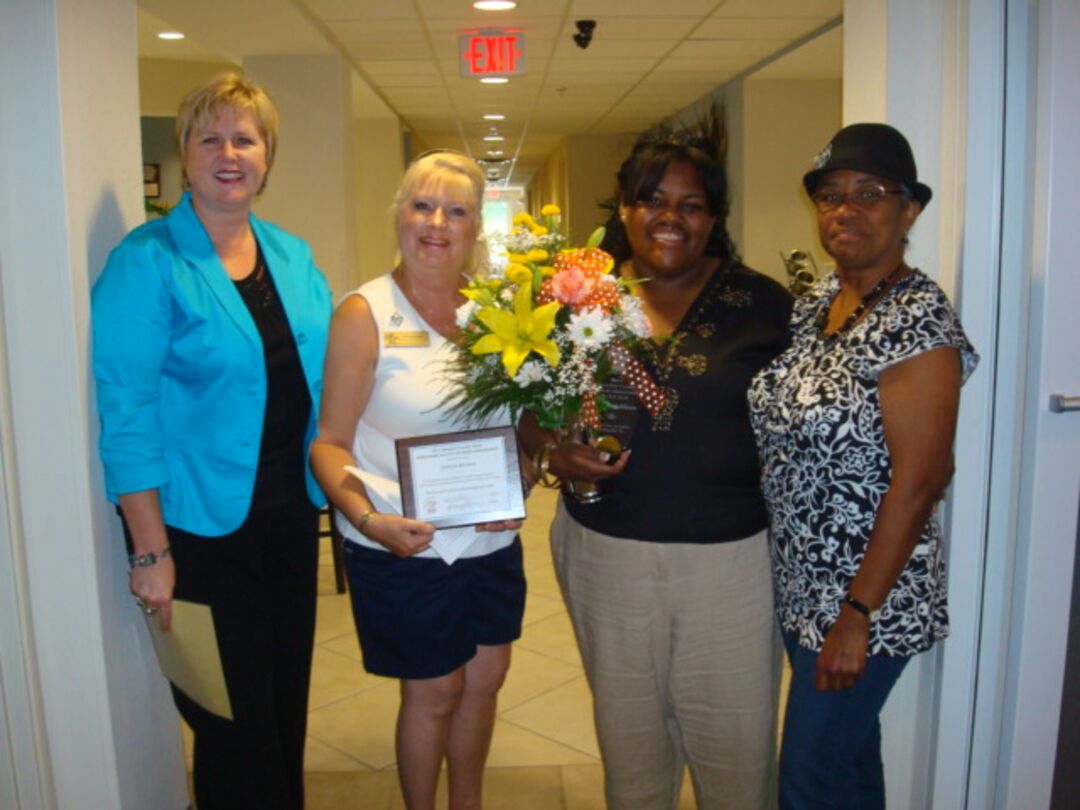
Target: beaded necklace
[[865, 303]]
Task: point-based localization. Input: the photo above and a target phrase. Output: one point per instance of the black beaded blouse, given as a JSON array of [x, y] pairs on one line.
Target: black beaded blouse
[[693, 475]]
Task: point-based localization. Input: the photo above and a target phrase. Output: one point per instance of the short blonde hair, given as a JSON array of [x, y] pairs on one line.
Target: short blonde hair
[[447, 162], [436, 162], [232, 90]]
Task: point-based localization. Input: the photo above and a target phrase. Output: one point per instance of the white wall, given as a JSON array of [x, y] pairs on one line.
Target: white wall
[[70, 170]]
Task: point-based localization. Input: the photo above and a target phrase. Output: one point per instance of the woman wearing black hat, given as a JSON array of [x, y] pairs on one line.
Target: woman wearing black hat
[[855, 426]]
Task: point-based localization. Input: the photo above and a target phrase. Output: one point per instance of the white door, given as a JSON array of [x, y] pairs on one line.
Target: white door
[[1050, 470]]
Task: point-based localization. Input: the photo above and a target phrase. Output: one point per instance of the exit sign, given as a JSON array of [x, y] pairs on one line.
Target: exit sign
[[494, 52]]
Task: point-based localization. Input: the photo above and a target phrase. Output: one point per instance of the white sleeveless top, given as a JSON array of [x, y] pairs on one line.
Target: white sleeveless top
[[404, 402]]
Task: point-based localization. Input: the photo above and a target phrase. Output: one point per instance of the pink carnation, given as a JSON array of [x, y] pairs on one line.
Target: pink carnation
[[572, 286]]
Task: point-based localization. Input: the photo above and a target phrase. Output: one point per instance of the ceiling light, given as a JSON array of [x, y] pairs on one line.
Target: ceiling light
[[494, 5], [170, 35], [494, 80], [494, 137], [494, 117], [495, 153]]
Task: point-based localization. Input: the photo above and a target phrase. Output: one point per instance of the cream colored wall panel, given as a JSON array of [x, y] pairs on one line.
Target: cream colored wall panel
[[786, 123], [164, 82]]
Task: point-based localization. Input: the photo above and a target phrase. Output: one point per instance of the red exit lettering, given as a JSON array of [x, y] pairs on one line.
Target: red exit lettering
[[492, 54]]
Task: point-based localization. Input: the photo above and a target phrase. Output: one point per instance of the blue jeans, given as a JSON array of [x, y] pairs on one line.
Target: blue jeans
[[831, 751]]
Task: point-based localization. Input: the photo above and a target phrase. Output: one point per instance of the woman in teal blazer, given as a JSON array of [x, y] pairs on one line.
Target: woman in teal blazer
[[209, 333]]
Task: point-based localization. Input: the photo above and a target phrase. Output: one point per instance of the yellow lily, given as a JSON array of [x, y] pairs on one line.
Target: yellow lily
[[516, 334]]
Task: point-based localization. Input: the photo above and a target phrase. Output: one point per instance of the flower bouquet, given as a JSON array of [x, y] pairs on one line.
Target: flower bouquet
[[544, 331]]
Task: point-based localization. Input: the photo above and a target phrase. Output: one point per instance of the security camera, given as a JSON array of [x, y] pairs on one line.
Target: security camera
[[584, 35]]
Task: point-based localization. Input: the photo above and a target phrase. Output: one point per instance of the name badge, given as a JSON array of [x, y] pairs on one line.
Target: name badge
[[404, 339]]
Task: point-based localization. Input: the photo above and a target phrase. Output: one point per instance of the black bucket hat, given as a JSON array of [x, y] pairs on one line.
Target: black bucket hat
[[872, 148]]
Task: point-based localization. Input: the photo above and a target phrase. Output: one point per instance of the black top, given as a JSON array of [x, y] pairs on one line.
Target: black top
[[694, 477], [288, 405]]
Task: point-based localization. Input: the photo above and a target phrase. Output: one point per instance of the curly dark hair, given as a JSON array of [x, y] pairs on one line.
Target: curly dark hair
[[703, 146]]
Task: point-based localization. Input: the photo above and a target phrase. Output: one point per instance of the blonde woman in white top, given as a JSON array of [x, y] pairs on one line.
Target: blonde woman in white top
[[440, 622]]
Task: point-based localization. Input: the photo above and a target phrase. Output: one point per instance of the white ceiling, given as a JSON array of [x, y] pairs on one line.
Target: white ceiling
[[648, 58]]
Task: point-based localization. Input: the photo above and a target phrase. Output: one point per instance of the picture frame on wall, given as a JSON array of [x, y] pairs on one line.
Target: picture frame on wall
[[152, 181]]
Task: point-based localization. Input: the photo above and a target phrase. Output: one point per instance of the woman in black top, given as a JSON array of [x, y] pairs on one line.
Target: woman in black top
[[667, 576]]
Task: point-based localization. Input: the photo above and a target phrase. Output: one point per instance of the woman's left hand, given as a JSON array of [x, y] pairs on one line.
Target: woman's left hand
[[500, 526], [842, 659]]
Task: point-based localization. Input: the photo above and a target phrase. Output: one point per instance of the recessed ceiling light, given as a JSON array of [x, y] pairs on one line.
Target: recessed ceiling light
[[494, 5], [494, 80], [494, 137], [494, 117], [170, 35], [495, 152]]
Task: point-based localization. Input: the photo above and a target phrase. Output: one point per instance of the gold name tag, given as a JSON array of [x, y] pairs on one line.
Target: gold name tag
[[399, 340]]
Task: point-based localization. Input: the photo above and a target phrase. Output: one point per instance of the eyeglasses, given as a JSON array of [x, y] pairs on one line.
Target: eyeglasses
[[863, 198]]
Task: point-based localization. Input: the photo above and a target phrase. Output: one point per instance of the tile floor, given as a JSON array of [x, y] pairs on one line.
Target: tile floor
[[544, 754]]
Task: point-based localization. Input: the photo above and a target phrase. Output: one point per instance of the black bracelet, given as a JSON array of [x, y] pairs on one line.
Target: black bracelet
[[852, 602], [148, 559]]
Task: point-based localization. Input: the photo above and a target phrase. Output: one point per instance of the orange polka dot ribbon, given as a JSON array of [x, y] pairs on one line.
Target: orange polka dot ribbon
[[637, 377]]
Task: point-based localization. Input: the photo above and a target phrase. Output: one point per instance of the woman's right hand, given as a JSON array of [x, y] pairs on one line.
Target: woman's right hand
[[153, 586], [403, 536], [584, 462]]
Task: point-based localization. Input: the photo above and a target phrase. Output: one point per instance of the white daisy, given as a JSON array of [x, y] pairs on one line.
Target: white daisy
[[464, 314], [531, 372], [632, 316], [590, 329]]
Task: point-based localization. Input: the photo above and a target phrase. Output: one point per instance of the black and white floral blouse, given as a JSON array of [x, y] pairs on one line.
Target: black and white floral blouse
[[825, 465]]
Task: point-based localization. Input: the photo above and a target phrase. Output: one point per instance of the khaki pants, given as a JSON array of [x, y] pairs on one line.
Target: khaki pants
[[682, 652]]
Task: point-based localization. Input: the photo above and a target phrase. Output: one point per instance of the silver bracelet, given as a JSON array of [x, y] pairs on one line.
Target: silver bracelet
[[363, 521], [148, 559]]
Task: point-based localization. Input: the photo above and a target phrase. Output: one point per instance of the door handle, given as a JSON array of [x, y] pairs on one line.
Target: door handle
[[1059, 403]]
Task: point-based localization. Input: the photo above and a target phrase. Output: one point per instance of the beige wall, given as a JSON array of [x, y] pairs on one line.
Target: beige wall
[[379, 158], [549, 184], [578, 176], [785, 123], [591, 164], [309, 191], [163, 82]]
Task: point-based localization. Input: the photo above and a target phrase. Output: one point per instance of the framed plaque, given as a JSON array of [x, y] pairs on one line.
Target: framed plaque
[[461, 479]]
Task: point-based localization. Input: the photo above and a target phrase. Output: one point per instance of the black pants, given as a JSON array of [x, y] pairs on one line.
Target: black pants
[[260, 583]]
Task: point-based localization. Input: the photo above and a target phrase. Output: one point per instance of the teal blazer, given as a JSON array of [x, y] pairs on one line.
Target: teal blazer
[[180, 372]]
